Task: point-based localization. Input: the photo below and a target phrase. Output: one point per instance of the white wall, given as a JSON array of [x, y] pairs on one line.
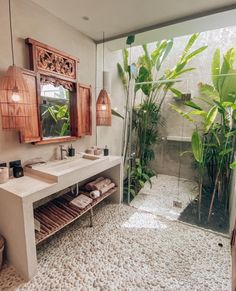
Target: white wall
[[111, 136], [30, 20]]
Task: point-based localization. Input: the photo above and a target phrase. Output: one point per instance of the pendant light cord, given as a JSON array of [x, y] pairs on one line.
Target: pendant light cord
[[11, 33], [103, 38]]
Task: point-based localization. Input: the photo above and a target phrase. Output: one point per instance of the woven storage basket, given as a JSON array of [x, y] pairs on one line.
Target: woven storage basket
[[1, 250]]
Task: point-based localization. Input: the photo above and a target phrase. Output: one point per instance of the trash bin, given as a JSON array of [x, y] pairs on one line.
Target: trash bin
[[1, 250]]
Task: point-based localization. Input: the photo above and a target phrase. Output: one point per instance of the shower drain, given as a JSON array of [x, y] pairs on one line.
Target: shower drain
[[177, 204]]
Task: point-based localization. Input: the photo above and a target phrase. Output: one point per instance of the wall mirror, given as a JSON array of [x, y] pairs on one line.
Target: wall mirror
[[55, 110], [59, 109]]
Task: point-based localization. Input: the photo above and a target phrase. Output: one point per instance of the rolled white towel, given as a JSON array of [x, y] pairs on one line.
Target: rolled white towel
[[95, 194]]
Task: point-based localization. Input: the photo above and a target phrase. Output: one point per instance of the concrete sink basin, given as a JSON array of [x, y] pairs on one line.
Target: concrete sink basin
[[53, 170]]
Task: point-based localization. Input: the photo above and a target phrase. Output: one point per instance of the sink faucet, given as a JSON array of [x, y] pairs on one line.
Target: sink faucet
[[62, 149]]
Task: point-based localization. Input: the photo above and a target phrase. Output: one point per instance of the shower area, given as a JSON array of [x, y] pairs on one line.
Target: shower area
[[167, 124], [173, 191]]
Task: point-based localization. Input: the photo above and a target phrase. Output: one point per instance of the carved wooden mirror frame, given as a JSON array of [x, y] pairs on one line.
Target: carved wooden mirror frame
[[55, 67]]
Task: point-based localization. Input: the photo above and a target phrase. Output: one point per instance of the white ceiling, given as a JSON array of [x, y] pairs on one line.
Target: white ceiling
[[120, 17]]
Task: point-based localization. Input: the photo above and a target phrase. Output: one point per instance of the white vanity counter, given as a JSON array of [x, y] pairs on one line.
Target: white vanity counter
[[17, 198]]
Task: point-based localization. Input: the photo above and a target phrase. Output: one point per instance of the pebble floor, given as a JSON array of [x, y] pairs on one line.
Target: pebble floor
[[128, 249], [158, 198]]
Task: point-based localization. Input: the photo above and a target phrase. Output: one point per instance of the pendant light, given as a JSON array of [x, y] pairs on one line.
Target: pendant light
[[103, 104], [13, 92]]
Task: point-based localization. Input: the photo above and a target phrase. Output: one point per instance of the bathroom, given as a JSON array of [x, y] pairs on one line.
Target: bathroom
[[112, 236]]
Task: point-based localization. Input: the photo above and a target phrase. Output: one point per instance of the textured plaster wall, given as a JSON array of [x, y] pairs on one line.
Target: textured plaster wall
[[167, 158], [30, 20]]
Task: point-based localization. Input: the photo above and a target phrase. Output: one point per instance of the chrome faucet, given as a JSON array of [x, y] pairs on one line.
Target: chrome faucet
[[62, 149]]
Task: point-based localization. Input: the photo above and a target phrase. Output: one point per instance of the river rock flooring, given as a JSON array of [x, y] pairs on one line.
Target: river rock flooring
[[128, 249], [159, 197]]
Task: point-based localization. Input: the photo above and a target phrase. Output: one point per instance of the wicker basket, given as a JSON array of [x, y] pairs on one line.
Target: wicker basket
[[1, 250]]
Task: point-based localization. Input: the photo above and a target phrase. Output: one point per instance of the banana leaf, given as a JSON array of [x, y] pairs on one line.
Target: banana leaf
[[215, 68], [176, 92], [125, 60], [228, 90], [192, 105], [182, 113], [164, 53], [197, 147], [208, 91], [158, 51], [195, 53], [190, 43], [210, 118], [228, 60], [147, 59]]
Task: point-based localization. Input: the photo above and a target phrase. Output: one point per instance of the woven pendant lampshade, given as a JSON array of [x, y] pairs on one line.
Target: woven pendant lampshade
[[103, 109], [14, 93], [103, 104], [14, 99]]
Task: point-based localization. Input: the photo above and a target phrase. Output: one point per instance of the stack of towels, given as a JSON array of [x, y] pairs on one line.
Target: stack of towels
[[99, 186], [95, 189]]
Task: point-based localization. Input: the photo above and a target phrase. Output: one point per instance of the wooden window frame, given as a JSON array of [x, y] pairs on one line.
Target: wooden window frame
[[46, 61]]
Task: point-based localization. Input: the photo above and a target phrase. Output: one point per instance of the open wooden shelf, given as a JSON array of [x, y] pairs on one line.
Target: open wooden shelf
[[58, 213]]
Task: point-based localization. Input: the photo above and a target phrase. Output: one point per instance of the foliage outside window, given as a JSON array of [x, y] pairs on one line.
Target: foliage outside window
[[55, 111]]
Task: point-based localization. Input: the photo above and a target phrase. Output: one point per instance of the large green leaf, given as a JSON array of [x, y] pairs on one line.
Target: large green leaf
[[192, 105], [182, 113], [195, 53], [190, 43], [164, 53], [197, 147], [158, 50], [210, 118], [178, 72], [228, 90], [144, 76], [52, 113], [147, 59], [226, 67], [198, 112], [226, 152], [176, 92], [125, 60], [215, 68], [208, 90]]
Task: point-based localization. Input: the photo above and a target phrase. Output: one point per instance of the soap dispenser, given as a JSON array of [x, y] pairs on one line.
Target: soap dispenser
[[106, 151], [71, 151], [17, 168]]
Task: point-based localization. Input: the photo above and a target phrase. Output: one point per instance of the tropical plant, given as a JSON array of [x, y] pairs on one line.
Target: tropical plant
[[145, 74], [215, 143], [59, 119]]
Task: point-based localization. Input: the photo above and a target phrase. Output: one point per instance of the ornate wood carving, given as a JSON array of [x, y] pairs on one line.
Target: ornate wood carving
[[57, 82], [49, 61]]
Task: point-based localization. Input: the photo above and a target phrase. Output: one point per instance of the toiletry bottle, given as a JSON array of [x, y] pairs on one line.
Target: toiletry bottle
[[17, 169], [71, 151], [106, 151]]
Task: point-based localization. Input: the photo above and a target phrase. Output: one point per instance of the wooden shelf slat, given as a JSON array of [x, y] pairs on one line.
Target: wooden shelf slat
[[59, 213]]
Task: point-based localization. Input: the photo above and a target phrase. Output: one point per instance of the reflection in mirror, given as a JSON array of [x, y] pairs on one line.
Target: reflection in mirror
[[55, 111]]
